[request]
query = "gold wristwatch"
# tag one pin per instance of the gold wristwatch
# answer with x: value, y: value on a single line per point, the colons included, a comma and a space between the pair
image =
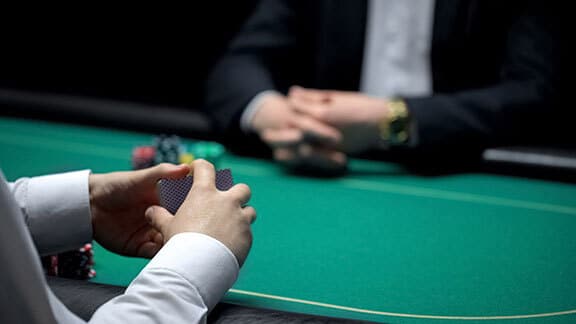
x: 395, y: 128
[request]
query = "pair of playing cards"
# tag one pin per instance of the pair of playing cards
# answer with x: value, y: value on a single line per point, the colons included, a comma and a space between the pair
x: 173, y: 192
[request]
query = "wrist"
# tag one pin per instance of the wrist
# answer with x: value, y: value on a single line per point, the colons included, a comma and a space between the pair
x: 252, y: 108
x: 270, y: 111
x: 93, y: 194
x: 92, y: 185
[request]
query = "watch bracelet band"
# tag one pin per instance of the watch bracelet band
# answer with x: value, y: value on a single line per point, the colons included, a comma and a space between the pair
x: 395, y: 128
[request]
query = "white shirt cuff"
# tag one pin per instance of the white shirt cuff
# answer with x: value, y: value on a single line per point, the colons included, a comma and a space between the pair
x: 202, y: 260
x: 58, y: 211
x: 252, y: 108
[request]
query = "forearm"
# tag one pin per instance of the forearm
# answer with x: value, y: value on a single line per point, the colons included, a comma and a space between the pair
x: 252, y: 108
x: 181, y: 284
x: 229, y: 91
x: 254, y: 63
x: 518, y: 99
x: 478, y: 118
x: 484, y: 97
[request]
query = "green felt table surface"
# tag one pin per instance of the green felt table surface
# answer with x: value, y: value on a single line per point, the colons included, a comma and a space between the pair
x: 379, y: 244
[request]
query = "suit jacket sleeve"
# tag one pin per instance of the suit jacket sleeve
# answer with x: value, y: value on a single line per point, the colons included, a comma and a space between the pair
x: 252, y: 63
x: 524, y: 94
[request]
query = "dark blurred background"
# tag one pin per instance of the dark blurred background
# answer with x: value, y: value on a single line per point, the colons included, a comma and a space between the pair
x: 140, y: 67
x: 82, y: 63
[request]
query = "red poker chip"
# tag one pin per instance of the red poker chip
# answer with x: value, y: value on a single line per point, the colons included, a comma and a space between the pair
x: 144, y: 152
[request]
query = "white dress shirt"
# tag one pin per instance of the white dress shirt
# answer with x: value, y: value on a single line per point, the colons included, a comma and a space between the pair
x: 50, y: 214
x: 397, y: 48
x: 396, y: 53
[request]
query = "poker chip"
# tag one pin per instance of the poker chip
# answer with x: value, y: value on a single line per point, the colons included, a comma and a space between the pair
x: 210, y: 151
x: 186, y: 158
x: 143, y: 157
x: 167, y: 149
x: 74, y: 264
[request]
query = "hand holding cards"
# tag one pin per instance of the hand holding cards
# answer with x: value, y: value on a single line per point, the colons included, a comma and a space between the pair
x: 207, y: 204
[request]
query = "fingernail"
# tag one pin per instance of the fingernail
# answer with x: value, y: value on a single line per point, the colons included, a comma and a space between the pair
x: 149, y: 211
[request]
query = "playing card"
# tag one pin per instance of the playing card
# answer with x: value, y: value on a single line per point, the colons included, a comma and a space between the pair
x: 173, y: 192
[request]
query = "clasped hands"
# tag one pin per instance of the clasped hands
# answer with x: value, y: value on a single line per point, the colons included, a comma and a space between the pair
x: 317, y: 129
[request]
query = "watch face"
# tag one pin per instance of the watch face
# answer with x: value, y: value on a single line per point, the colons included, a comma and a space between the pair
x: 398, y: 131
x: 395, y: 130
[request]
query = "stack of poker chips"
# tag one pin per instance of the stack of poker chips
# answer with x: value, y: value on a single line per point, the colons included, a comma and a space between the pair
x: 170, y: 149
x: 75, y: 264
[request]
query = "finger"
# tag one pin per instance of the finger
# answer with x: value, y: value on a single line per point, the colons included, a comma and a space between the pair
x: 250, y: 213
x: 310, y: 95
x: 158, y: 238
x: 282, y: 137
x: 204, y: 174
x: 316, y: 110
x: 166, y: 171
x: 322, y: 158
x: 241, y: 193
x: 149, y: 249
x: 159, y: 218
x: 317, y: 129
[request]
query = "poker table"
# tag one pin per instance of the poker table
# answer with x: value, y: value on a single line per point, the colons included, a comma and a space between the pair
x: 379, y: 244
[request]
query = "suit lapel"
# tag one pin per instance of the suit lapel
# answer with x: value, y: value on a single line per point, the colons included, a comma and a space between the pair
x: 341, y: 34
x: 449, y: 28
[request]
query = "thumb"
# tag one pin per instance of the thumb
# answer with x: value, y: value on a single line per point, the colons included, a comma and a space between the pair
x: 159, y: 218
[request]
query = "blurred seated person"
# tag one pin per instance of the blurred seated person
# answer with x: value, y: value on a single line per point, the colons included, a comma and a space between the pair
x: 416, y: 76
x: 195, y: 253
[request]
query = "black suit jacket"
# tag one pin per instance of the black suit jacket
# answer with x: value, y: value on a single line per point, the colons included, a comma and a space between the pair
x: 494, y: 65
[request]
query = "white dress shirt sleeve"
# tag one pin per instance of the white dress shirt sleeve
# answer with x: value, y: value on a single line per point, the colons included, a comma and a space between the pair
x: 181, y: 284
x: 56, y: 209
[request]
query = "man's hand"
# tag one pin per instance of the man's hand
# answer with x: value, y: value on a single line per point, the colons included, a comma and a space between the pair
x: 297, y: 140
x: 356, y: 115
x: 118, y: 201
x: 222, y: 215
